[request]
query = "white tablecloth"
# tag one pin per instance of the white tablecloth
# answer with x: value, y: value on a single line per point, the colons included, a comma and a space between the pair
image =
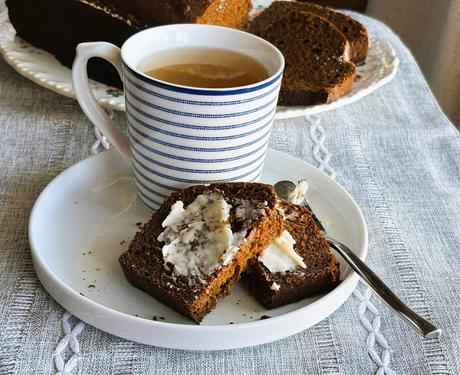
x: 394, y: 151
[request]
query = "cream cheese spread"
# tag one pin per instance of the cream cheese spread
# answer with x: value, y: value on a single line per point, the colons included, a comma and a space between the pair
x: 198, y: 238
x: 280, y: 255
x: 298, y: 195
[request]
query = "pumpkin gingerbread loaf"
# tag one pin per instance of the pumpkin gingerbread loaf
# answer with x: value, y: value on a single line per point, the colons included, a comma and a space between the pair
x: 59, y: 26
x: 230, y: 13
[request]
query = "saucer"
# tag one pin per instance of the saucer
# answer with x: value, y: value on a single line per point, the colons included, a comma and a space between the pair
x: 86, y: 217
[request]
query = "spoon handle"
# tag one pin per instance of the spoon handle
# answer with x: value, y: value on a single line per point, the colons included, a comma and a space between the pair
x: 427, y: 329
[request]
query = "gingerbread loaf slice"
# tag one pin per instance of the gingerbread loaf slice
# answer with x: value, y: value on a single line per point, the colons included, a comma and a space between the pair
x: 317, y: 68
x: 355, y: 32
x: 297, y: 265
x: 194, y: 248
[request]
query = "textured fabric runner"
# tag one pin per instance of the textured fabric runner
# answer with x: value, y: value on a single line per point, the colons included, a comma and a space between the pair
x: 394, y: 151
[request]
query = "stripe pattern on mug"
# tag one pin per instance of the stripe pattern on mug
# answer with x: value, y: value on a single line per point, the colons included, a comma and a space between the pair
x: 182, y: 136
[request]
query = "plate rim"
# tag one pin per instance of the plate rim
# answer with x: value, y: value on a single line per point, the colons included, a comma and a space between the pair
x: 42, y: 269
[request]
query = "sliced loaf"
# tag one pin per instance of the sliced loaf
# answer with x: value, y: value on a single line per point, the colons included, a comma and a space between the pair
x: 355, y: 32
x: 317, y: 54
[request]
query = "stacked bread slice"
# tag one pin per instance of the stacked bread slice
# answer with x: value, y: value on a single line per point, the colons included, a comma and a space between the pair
x: 198, y: 244
x: 320, y: 47
x: 194, y: 248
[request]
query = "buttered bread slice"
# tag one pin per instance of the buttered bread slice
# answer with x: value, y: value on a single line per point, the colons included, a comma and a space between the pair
x: 194, y: 248
x: 298, y: 264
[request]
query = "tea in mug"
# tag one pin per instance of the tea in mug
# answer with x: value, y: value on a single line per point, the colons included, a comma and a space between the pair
x: 204, y: 67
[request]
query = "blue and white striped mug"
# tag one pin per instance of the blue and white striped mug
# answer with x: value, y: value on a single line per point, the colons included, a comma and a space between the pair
x: 181, y: 135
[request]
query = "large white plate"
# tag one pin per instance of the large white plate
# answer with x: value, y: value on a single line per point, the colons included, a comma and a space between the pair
x: 43, y: 68
x: 86, y: 217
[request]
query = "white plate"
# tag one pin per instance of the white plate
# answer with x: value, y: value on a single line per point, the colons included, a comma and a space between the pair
x: 86, y: 217
x: 43, y: 68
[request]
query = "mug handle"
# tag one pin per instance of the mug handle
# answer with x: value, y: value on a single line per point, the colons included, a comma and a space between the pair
x: 85, y: 95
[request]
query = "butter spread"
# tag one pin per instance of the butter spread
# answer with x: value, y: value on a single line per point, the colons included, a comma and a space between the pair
x: 280, y: 255
x: 247, y: 211
x: 291, y: 215
x: 298, y: 195
x: 198, y: 238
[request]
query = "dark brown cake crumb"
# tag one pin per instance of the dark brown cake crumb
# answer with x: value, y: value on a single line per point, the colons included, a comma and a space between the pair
x: 122, y: 242
x: 138, y: 224
x: 91, y: 286
x: 263, y: 317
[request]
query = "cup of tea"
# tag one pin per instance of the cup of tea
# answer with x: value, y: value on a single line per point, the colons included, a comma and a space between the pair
x: 200, y: 102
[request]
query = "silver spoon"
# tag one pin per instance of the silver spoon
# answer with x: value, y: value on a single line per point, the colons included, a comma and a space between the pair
x: 287, y: 190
